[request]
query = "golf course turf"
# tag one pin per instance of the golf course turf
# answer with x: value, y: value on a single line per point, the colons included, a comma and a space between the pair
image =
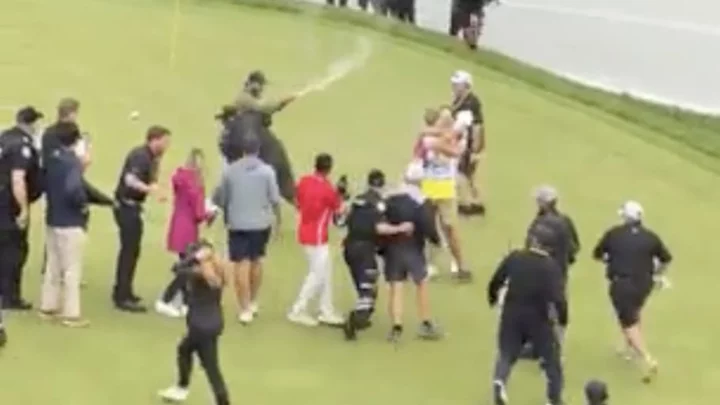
x: 115, y: 56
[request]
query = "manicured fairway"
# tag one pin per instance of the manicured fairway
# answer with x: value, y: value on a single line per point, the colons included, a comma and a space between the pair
x: 114, y: 56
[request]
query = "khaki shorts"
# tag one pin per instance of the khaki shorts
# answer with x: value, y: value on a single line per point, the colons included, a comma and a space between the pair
x: 447, y: 211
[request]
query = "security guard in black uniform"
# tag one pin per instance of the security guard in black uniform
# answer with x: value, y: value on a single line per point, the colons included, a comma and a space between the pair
x: 535, y: 290
x: 365, y: 225
x: 137, y: 179
x: 565, y: 243
x: 20, y: 186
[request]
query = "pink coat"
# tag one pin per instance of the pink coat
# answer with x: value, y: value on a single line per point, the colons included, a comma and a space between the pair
x: 188, y: 209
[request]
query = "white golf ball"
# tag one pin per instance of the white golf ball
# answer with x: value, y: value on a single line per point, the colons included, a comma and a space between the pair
x: 134, y: 115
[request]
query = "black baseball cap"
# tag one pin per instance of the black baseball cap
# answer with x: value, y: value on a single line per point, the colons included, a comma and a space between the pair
x: 257, y: 76
x: 28, y: 115
x: 228, y: 111
x: 596, y: 392
x: 376, y: 178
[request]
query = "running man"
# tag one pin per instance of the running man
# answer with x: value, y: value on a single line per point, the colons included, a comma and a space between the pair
x: 635, y: 259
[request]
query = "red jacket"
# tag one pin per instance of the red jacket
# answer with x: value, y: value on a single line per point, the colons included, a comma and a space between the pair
x: 317, y: 202
x: 188, y: 209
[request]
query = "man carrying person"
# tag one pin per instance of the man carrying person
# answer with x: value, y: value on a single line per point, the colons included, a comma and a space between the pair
x: 138, y: 179
x: 636, y: 259
x: 404, y: 254
x: 440, y: 148
x: 318, y: 203
x: 21, y: 185
x: 466, y: 102
x: 256, y: 114
x: 365, y: 226
x: 249, y: 198
x: 534, y: 291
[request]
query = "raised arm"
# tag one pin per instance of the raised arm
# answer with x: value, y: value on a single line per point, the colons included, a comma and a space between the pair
x: 498, y: 280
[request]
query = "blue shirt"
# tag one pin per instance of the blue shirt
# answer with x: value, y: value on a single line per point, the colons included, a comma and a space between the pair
x: 67, y: 200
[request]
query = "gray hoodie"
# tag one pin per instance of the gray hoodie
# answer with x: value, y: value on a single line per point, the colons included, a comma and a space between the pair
x: 247, y: 194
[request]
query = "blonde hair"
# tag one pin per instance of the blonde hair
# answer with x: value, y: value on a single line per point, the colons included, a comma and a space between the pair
x: 195, y: 160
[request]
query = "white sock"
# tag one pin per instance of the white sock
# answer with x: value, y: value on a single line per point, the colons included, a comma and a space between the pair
x: 454, y: 268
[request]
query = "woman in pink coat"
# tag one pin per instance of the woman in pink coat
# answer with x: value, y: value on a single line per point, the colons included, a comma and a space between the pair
x: 189, y: 212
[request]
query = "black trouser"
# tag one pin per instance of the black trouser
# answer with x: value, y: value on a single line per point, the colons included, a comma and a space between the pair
x: 130, y: 225
x: 403, y: 10
x: 13, y: 255
x: 273, y: 152
x: 521, y: 325
x: 361, y: 259
x: 178, y: 285
x: 529, y: 352
x: 460, y: 18
x: 205, y: 345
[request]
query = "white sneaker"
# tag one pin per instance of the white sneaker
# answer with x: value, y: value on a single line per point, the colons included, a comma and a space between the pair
x: 174, y: 394
x: 302, y: 318
x: 432, y: 271
x: 331, y: 319
x: 166, y: 309
x: 254, y: 308
x: 246, y: 317
x: 454, y: 268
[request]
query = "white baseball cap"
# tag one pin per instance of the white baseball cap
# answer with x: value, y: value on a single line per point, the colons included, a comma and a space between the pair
x: 631, y: 211
x: 461, y: 77
x: 545, y: 194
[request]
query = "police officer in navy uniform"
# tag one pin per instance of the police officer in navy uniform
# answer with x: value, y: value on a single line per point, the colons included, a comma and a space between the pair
x: 534, y: 291
x: 365, y: 225
x: 137, y: 180
x: 20, y: 186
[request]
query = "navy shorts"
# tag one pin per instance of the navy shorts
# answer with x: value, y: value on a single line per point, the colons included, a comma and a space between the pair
x: 402, y: 263
x: 247, y: 245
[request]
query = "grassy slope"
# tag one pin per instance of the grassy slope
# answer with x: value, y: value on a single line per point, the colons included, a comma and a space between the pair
x: 117, y: 64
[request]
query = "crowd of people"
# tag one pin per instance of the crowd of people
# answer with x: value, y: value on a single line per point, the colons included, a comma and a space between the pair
x: 394, y: 230
x: 467, y: 17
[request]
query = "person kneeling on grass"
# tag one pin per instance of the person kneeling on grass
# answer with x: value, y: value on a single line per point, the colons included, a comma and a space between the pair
x: 205, y: 275
x: 190, y: 209
x: 405, y: 254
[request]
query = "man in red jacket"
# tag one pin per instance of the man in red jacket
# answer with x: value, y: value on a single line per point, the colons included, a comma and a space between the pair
x: 318, y: 202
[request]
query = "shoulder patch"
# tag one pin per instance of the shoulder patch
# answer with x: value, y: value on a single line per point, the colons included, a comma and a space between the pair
x: 381, y: 206
x: 26, y: 152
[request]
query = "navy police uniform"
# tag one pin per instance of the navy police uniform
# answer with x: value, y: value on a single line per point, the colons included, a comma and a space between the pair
x: 360, y: 249
x: 534, y: 292
x: 17, y: 152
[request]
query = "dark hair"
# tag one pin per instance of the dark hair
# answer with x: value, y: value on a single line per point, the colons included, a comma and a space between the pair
x: 156, y: 132
x: 68, y: 133
x: 67, y: 106
x: 376, y: 178
x: 251, y: 145
x: 323, y: 163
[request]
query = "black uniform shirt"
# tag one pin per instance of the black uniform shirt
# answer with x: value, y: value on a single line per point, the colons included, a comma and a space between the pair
x: 366, y: 211
x: 566, y: 242
x: 471, y: 103
x: 143, y: 164
x: 630, y: 251
x: 50, y: 141
x: 17, y: 152
x: 534, y: 285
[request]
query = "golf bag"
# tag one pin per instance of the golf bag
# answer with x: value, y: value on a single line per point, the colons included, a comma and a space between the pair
x: 272, y: 149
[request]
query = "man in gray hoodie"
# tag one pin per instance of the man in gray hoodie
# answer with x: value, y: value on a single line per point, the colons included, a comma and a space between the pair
x: 249, y: 197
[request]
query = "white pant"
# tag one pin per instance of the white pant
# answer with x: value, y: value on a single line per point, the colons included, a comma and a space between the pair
x: 318, y: 281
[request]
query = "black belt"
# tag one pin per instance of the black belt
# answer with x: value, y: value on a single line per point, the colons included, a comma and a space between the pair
x: 128, y: 203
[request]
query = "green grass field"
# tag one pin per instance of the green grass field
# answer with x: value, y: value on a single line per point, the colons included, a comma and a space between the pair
x: 114, y: 57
